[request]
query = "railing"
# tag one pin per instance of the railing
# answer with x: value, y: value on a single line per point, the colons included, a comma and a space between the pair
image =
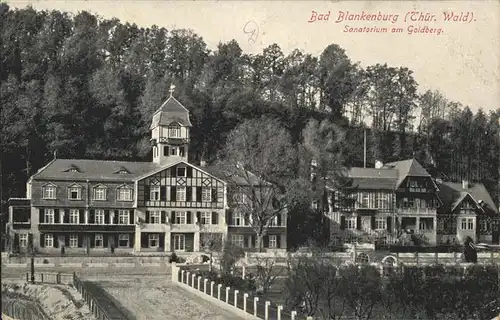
x: 100, y: 303
x: 57, y: 278
x: 416, y: 211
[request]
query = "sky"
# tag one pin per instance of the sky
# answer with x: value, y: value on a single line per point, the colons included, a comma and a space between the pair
x: 459, y: 57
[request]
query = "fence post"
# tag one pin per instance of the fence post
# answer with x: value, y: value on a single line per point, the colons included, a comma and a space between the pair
x: 218, y: 290
x: 27, y: 277
x: 236, y: 297
x: 41, y: 277
x: 193, y: 277
x: 266, y: 310
x: 416, y: 258
x: 58, y: 278
x: 187, y: 277
x: 245, y: 297
x: 279, y: 312
x: 243, y: 272
x: 293, y: 314
x: 437, y: 257
x: 182, y: 275
x: 227, y: 294
x: 212, y: 283
x: 199, y: 282
x: 205, y: 285
x: 255, y: 300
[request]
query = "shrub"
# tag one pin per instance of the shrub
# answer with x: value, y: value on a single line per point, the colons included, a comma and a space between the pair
x: 173, y: 258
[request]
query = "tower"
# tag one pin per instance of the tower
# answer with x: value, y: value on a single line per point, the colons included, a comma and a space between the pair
x: 170, y: 132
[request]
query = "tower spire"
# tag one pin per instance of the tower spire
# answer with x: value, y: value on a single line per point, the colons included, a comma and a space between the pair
x: 172, y: 87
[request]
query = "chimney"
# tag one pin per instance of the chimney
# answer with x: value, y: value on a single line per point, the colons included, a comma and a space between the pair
x: 379, y: 164
x: 465, y: 184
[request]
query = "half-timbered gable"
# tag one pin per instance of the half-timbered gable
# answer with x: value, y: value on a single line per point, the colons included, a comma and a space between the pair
x: 181, y: 185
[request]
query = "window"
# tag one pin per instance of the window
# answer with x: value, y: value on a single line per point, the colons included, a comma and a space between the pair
x: 422, y: 225
x: 23, y: 240
x: 206, y: 195
x: 154, y: 217
x: 483, y: 225
x: 49, y: 192
x: 123, y: 217
x: 273, y: 241
x: 74, y: 216
x: 74, y: 193
x: 49, y: 240
x: 237, y: 239
x: 180, y: 217
x: 123, y: 240
x: 383, y: 201
x: 100, y: 193
x: 173, y: 151
x: 49, y: 215
x: 73, y: 240
x: 181, y: 194
x: 237, y: 219
x: 467, y: 224
x: 365, y: 200
x: 174, y: 132
x: 314, y: 205
x: 154, y: 240
x: 124, y: 194
x: 99, y: 216
x: 99, y: 243
x: 181, y: 172
x: 154, y: 193
x: 179, y: 242
x: 380, y: 224
x: 350, y: 223
x: 206, y: 218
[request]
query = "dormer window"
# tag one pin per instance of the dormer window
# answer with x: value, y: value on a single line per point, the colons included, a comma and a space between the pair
x: 122, y: 170
x: 49, y: 191
x: 75, y: 192
x: 174, y: 131
x: 100, y: 193
x: 124, y: 193
x: 72, y: 168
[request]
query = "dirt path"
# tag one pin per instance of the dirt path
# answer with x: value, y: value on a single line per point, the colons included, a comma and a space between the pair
x: 157, y: 298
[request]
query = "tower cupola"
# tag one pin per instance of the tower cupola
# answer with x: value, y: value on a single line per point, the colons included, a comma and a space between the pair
x: 170, y: 131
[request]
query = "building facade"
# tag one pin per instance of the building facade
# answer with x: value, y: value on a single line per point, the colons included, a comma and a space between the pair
x: 401, y: 200
x: 165, y: 205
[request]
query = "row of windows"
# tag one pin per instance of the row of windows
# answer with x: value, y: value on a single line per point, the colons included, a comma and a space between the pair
x: 181, y: 217
x: 172, y: 151
x: 238, y: 219
x: 239, y: 240
x: 180, y: 194
x: 124, y: 193
x: 351, y: 223
x: 74, y: 216
x: 123, y: 240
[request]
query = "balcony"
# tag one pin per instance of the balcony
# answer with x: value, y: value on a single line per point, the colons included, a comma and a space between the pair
x: 416, y: 211
x: 21, y: 225
x: 173, y: 141
x: 184, y: 204
x: 61, y: 227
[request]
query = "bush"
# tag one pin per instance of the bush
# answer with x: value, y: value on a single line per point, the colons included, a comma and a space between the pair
x: 173, y: 258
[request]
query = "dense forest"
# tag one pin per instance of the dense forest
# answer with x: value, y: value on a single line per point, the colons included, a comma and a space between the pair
x: 85, y: 87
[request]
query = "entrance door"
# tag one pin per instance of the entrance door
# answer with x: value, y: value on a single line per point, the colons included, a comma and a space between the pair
x: 179, y: 242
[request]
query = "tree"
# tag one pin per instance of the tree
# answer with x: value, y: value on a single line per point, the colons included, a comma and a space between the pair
x: 257, y: 162
x: 212, y: 243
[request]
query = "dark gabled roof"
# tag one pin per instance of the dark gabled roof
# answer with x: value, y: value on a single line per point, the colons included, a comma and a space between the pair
x: 453, y: 194
x: 93, y: 170
x: 405, y: 168
x: 171, y: 111
x: 373, y: 179
x: 231, y: 175
x: 172, y: 164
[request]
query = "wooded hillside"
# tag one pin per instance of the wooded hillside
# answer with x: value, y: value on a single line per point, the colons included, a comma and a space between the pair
x: 86, y: 87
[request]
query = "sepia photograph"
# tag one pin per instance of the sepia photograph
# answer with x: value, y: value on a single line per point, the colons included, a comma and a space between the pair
x: 238, y: 159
